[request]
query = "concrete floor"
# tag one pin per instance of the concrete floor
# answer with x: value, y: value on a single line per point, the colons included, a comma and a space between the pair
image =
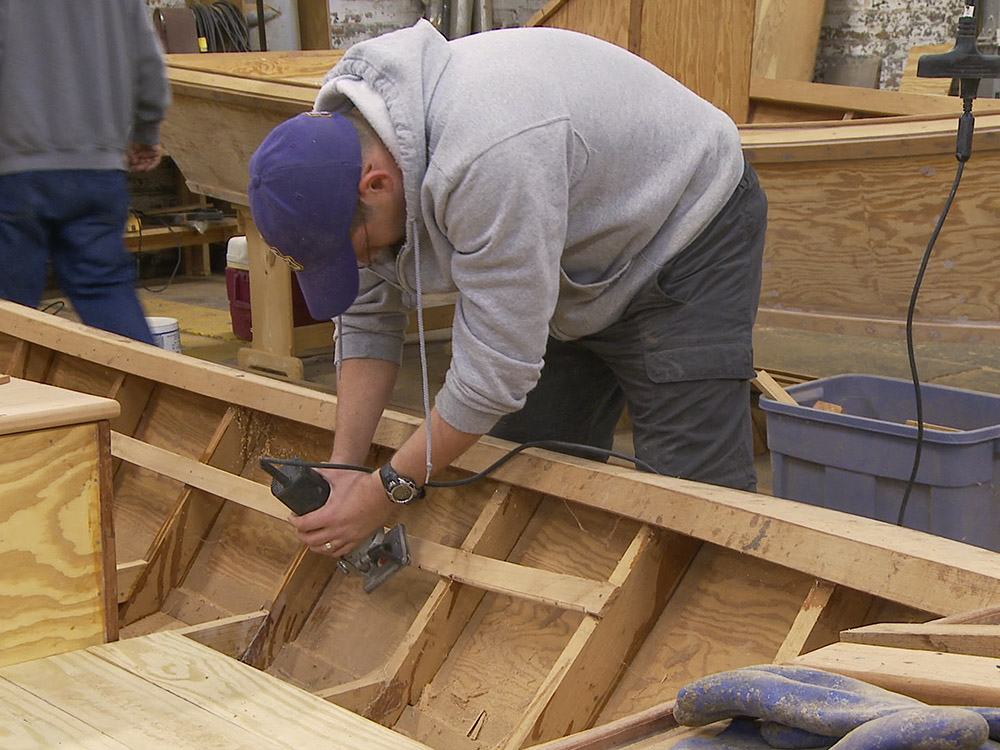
x: 201, y: 306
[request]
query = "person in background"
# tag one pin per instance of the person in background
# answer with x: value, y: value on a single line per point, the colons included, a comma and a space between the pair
x: 596, y: 220
x: 83, y: 89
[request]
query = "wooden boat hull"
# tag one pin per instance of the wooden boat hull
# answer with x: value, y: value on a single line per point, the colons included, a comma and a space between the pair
x: 852, y: 203
x: 852, y: 207
x: 557, y: 594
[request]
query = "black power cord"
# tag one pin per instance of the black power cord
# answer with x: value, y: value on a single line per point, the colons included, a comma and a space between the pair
x: 585, y: 451
x: 909, y: 342
x: 969, y: 66
x: 140, y: 217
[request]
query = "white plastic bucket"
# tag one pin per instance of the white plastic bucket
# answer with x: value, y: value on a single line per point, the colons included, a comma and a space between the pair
x: 166, y: 333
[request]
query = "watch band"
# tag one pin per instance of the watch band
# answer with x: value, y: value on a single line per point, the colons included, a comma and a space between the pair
x: 399, y: 490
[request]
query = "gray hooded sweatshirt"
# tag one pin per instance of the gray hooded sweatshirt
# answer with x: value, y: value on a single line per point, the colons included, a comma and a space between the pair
x: 548, y: 176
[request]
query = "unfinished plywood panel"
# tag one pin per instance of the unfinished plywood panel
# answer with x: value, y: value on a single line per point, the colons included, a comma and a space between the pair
x: 694, y: 628
x: 845, y: 237
x: 786, y: 37
x: 706, y: 46
x: 166, y: 691
x: 609, y: 20
x: 51, y: 552
x: 56, y: 560
x: 211, y: 136
x: 912, y: 83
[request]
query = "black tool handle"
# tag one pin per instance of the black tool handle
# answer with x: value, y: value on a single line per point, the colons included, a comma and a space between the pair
x: 301, y: 488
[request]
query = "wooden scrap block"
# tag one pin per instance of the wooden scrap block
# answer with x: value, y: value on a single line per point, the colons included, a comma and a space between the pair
x: 770, y: 388
x: 930, y: 426
x: 932, y: 677
x: 827, y: 406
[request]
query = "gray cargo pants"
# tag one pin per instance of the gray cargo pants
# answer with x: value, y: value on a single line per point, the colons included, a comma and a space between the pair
x: 680, y: 357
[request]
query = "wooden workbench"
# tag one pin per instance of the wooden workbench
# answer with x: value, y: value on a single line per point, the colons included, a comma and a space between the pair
x: 223, y: 106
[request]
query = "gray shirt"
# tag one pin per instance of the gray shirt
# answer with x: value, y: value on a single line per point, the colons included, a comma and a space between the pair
x: 548, y: 175
x: 79, y: 79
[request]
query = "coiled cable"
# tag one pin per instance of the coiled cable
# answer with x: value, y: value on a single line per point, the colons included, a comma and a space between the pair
x: 222, y: 25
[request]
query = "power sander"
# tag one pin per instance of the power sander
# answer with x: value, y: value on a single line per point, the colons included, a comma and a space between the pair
x: 303, y: 489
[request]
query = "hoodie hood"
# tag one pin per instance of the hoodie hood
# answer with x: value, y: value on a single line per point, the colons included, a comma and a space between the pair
x: 391, y: 79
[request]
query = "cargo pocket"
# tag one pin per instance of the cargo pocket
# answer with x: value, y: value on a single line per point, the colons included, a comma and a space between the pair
x: 721, y: 361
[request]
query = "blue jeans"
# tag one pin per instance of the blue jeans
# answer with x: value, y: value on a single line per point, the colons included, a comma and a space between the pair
x: 680, y: 357
x: 75, y: 219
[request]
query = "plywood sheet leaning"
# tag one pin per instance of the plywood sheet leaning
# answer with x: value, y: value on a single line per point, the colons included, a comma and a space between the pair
x: 707, y: 47
x: 913, y: 84
x: 786, y: 37
x: 610, y: 20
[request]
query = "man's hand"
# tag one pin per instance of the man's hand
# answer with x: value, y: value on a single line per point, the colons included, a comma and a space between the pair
x: 143, y: 157
x: 356, y: 507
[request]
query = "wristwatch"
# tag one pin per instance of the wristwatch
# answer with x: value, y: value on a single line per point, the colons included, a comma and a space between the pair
x: 399, y: 490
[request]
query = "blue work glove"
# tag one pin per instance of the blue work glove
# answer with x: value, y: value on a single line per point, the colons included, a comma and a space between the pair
x: 800, y: 707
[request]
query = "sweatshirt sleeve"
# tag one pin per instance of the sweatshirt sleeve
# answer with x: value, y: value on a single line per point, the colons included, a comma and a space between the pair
x: 373, y: 326
x: 150, y: 80
x: 505, y: 214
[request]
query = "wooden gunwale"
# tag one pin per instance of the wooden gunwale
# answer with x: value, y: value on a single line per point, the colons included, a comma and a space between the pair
x: 881, y: 137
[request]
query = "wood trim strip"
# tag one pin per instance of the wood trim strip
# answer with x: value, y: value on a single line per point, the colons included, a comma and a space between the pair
x: 933, y: 677
x: 616, y: 734
x: 805, y: 621
x: 502, y: 577
x: 555, y: 589
x: 975, y: 640
x: 109, y: 572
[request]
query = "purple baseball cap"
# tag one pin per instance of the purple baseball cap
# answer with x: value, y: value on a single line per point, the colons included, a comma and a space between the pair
x: 303, y: 196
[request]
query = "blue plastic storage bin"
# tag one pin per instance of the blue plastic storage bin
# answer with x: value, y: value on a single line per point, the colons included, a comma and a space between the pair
x: 859, y: 461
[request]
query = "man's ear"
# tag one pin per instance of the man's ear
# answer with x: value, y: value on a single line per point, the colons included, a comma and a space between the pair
x: 376, y: 182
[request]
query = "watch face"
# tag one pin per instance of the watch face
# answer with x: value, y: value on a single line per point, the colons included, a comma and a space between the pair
x: 402, y: 492
x: 399, y: 489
